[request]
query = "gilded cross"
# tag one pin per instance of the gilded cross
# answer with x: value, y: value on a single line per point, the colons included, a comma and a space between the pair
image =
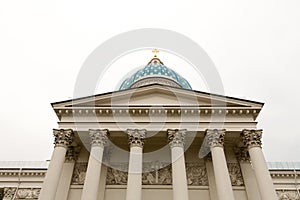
x: 155, y: 51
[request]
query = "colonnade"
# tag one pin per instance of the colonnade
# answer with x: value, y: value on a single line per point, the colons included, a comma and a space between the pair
x: 251, y: 139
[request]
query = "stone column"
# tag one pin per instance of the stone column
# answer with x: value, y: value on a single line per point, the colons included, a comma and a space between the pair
x: 103, y: 175
x: 62, y: 139
x: 211, y: 178
x: 252, y: 140
x: 67, y: 172
x: 179, y: 182
x: 134, y: 184
x: 92, y: 178
x: 248, y: 174
x: 215, y: 139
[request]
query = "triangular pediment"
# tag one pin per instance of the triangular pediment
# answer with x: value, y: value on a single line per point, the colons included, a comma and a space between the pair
x: 157, y: 95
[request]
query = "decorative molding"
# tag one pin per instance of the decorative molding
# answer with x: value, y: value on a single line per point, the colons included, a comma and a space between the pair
x: 21, y: 193
x: 79, y: 173
x: 98, y: 137
x: 235, y: 174
x: 176, y: 137
x: 215, y: 137
x: 151, y: 80
x: 284, y: 174
x: 251, y: 138
x: 63, y: 137
x: 140, y: 110
x: 136, y: 137
x: 4, y: 172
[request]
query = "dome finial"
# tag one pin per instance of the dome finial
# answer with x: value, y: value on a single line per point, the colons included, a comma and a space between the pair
x: 155, y: 51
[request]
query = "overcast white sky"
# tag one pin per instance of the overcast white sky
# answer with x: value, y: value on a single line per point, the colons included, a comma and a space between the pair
x: 255, y: 46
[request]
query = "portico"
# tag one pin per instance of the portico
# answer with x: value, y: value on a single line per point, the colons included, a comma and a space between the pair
x: 143, y: 142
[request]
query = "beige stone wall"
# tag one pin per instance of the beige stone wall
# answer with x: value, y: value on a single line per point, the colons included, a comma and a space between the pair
x: 30, y: 182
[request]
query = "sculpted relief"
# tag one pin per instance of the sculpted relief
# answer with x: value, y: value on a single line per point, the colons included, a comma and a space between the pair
x: 79, y: 173
x: 288, y: 195
x: 158, y: 177
x: 235, y: 174
x: 21, y: 193
x: 196, y: 174
x: 116, y: 177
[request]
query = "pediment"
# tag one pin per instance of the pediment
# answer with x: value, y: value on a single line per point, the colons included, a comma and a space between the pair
x: 157, y: 95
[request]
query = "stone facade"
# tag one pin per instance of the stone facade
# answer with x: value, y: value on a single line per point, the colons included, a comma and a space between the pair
x: 284, y: 180
x: 158, y: 140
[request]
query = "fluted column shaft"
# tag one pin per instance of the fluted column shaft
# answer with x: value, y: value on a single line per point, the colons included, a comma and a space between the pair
x: 252, y: 140
x: 215, y: 140
x: 179, y: 182
x: 62, y: 139
x: 134, y: 184
x: 92, y: 179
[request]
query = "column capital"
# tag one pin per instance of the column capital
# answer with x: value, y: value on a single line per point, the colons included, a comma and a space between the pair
x: 251, y: 138
x: 136, y: 137
x: 215, y: 137
x: 63, y: 137
x: 176, y: 137
x: 242, y: 154
x: 98, y: 137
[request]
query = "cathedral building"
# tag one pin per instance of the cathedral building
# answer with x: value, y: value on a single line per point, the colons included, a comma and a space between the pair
x: 154, y: 138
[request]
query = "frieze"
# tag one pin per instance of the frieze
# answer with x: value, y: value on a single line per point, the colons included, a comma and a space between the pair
x: 161, y: 176
x: 196, y: 174
x: 79, y: 173
x: 116, y: 177
x: 9, y: 193
x: 13, y: 193
x: 150, y: 178
x: 235, y: 174
x: 288, y: 195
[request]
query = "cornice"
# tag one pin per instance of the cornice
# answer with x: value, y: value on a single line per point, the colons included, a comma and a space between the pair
x: 146, y: 110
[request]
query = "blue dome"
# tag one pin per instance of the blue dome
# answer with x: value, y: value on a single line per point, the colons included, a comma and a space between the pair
x: 155, y: 72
